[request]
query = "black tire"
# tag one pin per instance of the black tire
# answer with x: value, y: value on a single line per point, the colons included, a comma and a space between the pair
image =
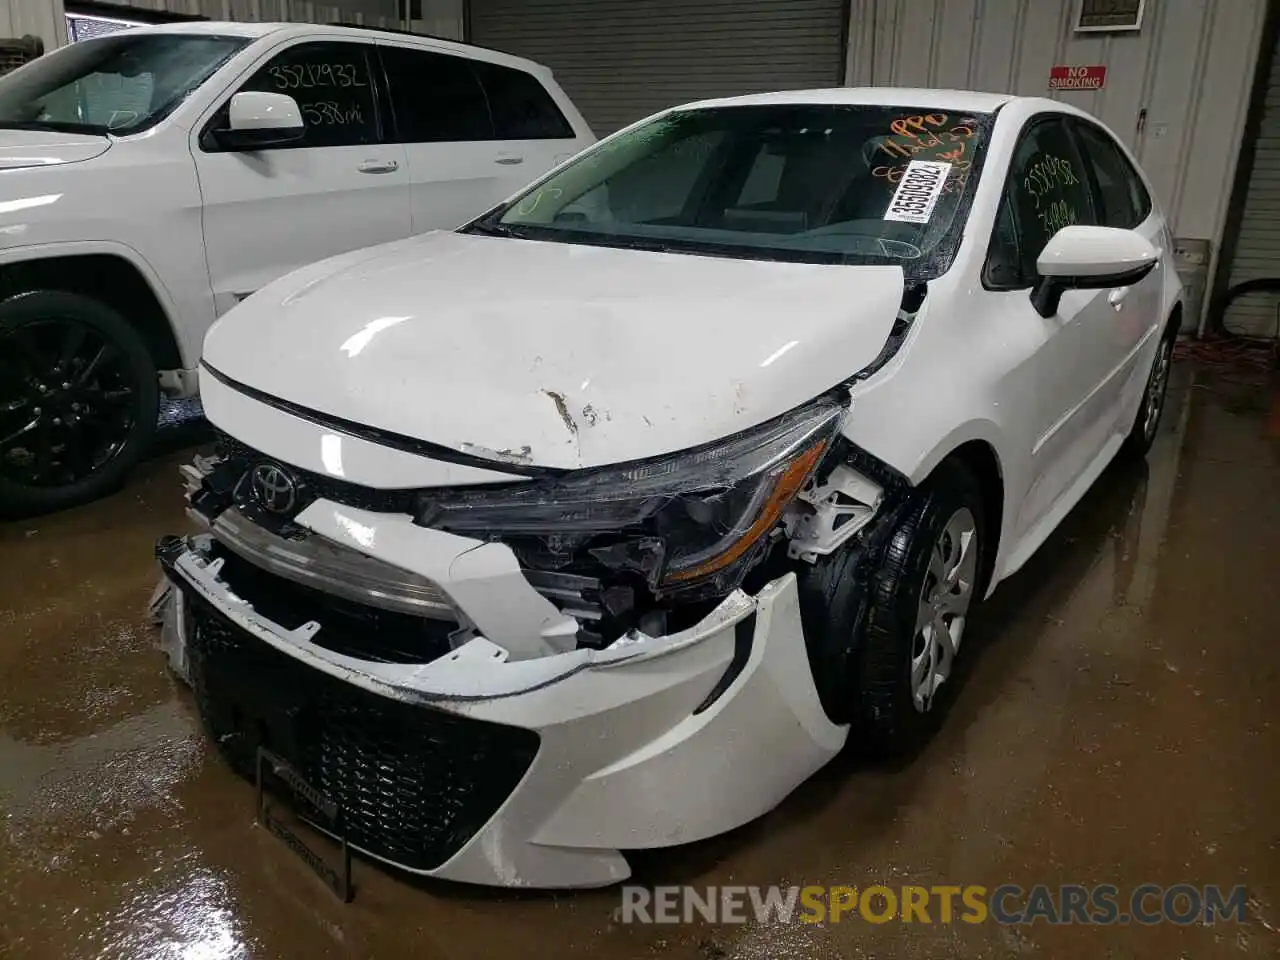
x: 1145, y: 424
x: 79, y: 386
x: 862, y: 629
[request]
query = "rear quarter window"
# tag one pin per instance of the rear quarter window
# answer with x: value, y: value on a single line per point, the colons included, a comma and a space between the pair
x: 522, y: 108
x: 1122, y: 198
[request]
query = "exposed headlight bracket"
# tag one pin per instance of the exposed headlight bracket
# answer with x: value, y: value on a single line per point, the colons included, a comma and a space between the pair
x: 827, y: 514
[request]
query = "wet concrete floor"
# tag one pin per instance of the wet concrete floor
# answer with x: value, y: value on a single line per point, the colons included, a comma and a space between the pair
x: 1121, y: 725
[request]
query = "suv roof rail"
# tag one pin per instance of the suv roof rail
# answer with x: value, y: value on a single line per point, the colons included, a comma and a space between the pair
x: 351, y: 25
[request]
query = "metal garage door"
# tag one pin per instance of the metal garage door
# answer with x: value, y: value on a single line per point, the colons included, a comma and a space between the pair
x: 623, y: 59
x: 1257, y: 251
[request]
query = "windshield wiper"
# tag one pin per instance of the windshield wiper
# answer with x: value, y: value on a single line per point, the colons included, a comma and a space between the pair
x: 493, y: 229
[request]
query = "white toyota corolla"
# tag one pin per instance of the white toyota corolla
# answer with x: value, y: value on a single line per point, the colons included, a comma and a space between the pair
x: 604, y: 521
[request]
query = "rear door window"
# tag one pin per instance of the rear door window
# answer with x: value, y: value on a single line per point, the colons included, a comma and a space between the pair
x: 522, y: 108
x: 1123, y: 200
x: 435, y: 97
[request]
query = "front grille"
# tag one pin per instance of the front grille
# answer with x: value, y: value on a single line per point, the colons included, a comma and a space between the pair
x: 414, y: 784
x: 319, y: 486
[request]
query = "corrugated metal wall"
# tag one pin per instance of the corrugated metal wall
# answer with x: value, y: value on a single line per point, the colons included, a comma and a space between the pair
x: 1257, y: 250
x: 621, y: 60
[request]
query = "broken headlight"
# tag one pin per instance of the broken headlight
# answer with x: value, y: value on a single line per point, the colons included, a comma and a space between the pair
x: 681, y: 519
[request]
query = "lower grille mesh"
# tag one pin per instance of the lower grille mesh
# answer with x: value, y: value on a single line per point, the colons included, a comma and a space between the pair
x: 414, y: 784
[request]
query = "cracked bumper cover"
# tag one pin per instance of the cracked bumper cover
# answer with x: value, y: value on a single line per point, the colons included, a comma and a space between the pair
x: 651, y: 742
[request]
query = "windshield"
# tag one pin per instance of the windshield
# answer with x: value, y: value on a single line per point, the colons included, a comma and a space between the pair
x: 117, y: 84
x: 815, y: 183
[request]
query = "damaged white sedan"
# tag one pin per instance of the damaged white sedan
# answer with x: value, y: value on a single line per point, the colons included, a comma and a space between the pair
x: 606, y: 520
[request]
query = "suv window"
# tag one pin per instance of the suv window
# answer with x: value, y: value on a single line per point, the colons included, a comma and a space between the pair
x: 435, y: 97
x: 1123, y: 200
x: 1047, y: 189
x: 521, y: 107
x: 333, y: 85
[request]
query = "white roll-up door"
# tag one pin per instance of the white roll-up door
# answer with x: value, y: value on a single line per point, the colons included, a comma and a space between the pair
x: 621, y: 60
x: 1257, y: 250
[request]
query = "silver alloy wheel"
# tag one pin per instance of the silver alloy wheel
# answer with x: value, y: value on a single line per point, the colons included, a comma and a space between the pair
x: 1153, y: 402
x: 945, y: 598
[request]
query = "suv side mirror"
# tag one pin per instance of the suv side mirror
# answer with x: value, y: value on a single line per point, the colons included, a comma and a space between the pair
x: 1090, y: 258
x: 256, y: 120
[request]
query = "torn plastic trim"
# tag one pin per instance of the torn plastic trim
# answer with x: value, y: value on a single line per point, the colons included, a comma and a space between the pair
x: 483, y: 580
x: 297, y: 555
x: 477, y: 671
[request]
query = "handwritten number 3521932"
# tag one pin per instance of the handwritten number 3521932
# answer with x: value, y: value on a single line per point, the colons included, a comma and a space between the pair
x: 294, y: 76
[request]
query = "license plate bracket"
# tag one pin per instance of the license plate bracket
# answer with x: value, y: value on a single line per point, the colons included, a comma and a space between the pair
x: 271, y: 771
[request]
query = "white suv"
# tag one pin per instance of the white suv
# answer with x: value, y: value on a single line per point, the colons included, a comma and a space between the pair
x: 152, y: 179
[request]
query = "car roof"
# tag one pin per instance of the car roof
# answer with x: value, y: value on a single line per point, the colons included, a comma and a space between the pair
x: 221, y: 28
x: 257, y: 30
x: 968, y: 101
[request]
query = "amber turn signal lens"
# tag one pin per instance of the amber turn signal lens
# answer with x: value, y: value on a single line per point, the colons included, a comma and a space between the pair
x: 788, y: 484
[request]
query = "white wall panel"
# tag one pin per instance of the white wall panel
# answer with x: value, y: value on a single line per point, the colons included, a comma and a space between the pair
x: 1190, y: 68
x: 42, y: 18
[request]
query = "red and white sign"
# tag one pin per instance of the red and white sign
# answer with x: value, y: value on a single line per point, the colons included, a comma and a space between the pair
x: 1077, y: 78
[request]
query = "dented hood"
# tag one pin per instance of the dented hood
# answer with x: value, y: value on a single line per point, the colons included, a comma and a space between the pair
x: 554, y: 354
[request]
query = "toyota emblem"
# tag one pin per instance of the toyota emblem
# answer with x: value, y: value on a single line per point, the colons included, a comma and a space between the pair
x: 274, y: 488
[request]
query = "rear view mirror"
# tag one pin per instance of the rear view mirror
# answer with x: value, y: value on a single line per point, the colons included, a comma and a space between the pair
x: 256, y: 120
x: 1090, y: 258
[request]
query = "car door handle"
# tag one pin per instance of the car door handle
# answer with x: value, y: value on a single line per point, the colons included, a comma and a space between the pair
x: 379, y: 166
x: 509, y: 159
x: 1116, y: 297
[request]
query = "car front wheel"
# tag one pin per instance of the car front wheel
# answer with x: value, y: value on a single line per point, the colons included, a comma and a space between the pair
x: 78, y: 400
x: 923, y: 593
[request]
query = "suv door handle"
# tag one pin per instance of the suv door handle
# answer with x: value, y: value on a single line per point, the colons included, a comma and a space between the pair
x: 379, y: 166
x: 508, y: 159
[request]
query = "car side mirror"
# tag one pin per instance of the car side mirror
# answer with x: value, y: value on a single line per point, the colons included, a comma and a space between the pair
x: 1089, y: 258
x: 256, y: 120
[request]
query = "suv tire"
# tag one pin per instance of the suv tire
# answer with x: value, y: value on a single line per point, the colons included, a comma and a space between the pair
x: 78, y: 400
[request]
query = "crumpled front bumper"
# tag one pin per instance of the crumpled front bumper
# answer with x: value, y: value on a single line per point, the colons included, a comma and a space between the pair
x: 650, y: 742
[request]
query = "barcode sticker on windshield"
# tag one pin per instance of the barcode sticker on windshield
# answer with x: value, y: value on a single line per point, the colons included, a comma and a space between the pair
x: 918, y: 191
